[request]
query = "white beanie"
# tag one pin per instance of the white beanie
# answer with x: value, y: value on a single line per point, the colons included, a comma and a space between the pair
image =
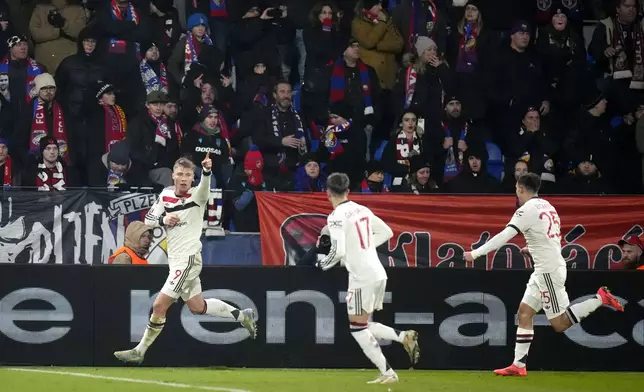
x: 43, y: 80
x: 423, y: 43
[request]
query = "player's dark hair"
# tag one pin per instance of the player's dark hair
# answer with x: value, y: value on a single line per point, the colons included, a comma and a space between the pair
x: 530, y: 181
x: 337, y: 184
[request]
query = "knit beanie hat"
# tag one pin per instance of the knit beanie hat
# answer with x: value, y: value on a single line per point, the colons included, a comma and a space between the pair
x: 195, y: 20
x: 423, y: 44
x: 119, y: 153
x: 253, y: 159
x: 206, y: 111
x: 418, y: 162
x: 47, y: 141
x: 44, y: 80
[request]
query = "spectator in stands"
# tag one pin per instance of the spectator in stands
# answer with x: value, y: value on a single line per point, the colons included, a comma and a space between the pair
x: 632, y: 249
x: 421, y: 18
x: 164, y: 19
x: 618, y: 49
x: 55, y: 28
x: 254, y: 91
x: 639, y: 140
x: 405, y: 143
x: 310, y: 176
x: 324, y: 43
x: 374, y: 179
x: 76, y: 76
x: 516, y: 81
x: 218, y: 19
x: 260, y: 31
x: 469, y: 50
x: 547, y: 10
x: 4, y: 88
x: 447, y: 141
x: 586, y: 178
x: 196, y: 100
x: 154, y: 75
x: 564, y: 59
x: 244, y: 185
x: 138, y: 238
x: 9, y: 172
x: 510, y: 181
x: 116, y: 167
x: 187, y: 51
x: 473, y: 177
x: 125, y: 26
x: 48, y: 172
x: 356, y: 83
x: 155, y: 147
x: 21, y: 71
x: 422, y: 82
x: 47, y: 119
x: 6, y: 28
x: 210, y: 135
x: 420, y: 179
x: 106, y: 126
x: 534, y: 143
x: 380, y: 43
x: 278, y: 131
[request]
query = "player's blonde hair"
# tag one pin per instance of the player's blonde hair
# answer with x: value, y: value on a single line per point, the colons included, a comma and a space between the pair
x: 184, y: 163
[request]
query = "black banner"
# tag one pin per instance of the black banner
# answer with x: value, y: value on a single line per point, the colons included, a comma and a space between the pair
x: 80, y: 227
x: 466, y: 319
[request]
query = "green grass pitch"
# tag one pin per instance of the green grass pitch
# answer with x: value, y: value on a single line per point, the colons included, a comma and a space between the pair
x: 290, y: 380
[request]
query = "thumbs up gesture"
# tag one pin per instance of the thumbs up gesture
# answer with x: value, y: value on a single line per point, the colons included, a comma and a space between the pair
x: 207, y: 162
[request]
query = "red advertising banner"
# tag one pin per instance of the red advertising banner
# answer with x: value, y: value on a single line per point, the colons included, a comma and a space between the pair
x: 434, y: 231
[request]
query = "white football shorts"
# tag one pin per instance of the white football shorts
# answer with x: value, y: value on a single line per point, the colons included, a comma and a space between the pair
x: 547, y: 291
x: 183, y: 279
x: 366, y: 299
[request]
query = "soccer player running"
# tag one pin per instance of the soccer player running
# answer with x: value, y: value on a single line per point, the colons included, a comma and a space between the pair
x: 537, y: 219
x: 355, y: 233
x: 180, y: 209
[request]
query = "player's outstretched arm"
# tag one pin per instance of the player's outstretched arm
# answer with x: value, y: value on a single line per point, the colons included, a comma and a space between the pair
x: 495, y: 243
x: 203, y: 189
x: 338, y: 244
x: 156, y: 214
x: 381, y: 231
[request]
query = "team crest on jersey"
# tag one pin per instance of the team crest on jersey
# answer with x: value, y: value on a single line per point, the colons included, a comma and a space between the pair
x: 518, y: 214
x: 544, y: 5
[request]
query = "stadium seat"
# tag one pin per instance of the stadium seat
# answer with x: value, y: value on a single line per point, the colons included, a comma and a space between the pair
x: 495, y: 165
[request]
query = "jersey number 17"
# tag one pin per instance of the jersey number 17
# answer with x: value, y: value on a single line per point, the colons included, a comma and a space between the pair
x: 362, y: 226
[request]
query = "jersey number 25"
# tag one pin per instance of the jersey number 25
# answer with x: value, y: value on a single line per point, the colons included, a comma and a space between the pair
x: 554, y: 224
x: 362, y: 226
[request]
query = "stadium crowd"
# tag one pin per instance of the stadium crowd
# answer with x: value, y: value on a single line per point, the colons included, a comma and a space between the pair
x: 418, y: 96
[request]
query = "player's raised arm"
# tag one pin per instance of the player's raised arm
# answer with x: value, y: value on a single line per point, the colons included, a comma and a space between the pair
x: 381, y: 231
x: 156, y: 214
x: 203, y: 189
x: 338, y: 243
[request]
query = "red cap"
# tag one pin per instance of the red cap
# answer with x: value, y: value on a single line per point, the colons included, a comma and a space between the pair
x: 632, y: 240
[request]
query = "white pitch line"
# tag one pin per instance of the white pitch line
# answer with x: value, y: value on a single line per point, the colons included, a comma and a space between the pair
x: 131, y: 380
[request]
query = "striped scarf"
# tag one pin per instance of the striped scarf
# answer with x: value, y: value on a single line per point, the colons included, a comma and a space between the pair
x: 404, y: 148
x: 417, y: 18
x: 331, y: 140
x: 299, y: 133
x: 190, y: 54
x: 119, y: 46
x: 8, y: 171
x: 338, y: 84
x: 33, y: 70
x: 39, y: 129
x: 218, y: 9
x: 411, y: 77
x: 151, y: 80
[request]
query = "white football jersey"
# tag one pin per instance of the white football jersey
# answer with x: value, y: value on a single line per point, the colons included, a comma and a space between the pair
x: 355, y: 233
x: 539, y: 222
x: 184, y: 239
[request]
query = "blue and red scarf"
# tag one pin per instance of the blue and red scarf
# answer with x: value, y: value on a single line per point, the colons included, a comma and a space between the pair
x: 33, y: 70
x: 364, y: 187
x: 417, y: 18
x: 299, y: 134
x: 120, y: 46
x: 331, y: 139
x: 152, y: 81
x: 453, y: 161
x: 218, y: 9
x: 338, y: 84
x: 190, y: 53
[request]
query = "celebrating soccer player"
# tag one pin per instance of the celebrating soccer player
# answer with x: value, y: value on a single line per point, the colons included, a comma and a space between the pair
x: 540, y: 224
x: 355, y: 233
x: 180, y: 209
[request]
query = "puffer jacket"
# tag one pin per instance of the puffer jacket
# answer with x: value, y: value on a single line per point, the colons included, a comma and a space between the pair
x: 380, y: 43
x: 76, y: 75
x: 54, y: 44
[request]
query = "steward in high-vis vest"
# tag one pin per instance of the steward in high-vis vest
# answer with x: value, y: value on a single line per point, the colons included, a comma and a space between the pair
x: 138, y: 238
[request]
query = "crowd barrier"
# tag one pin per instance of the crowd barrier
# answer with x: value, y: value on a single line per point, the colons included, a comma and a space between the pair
x: 78, y: 315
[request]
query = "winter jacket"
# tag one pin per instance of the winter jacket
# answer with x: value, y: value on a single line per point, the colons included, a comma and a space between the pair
x: 145, y: 152
x: 468, y: 182
x: 176, y: 63
x: 251, y: 37
x: 133, y: 234
x: 122, y: 30
x: 322, y: 49
x: 53, y: 44
x: 578, y: 184
x: 402, y: 19
x: 380, y: 43
x: 75, y: 77
x: 198, y: 142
